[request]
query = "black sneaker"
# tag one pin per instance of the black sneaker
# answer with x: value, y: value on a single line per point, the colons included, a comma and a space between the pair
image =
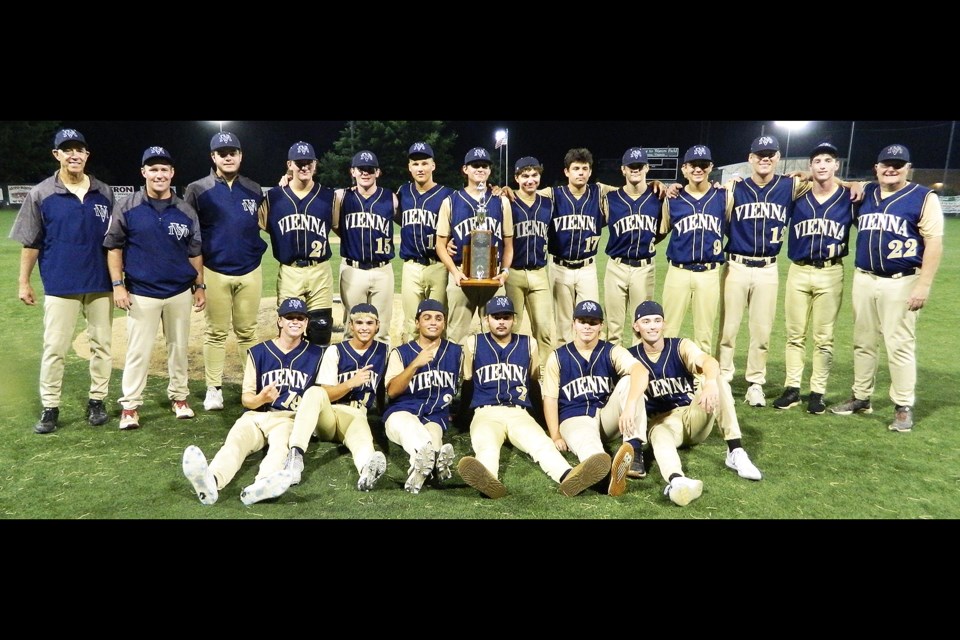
x: 48, y: 420
x: 789, y: 398
x: 96, y: 413
x: 815, y: 404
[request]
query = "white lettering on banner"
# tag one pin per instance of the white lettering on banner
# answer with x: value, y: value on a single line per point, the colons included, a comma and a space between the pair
x: 18, y: 192
x: 122, y: 193
x: 950, y: 205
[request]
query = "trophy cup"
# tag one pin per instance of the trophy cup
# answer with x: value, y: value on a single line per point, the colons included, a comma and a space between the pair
x: 480, y: 256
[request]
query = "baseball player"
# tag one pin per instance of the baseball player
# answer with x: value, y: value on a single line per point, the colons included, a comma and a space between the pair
x: 276, y: 375
x: 695, y: 220
x: 528, y: 286
x: 750, y: 277
x: 65, y: 215
x: 499, y: 370
x: 473, y: 207
x: 226, y: 204
x: 155, y: 261
x: 678, y: 415
x: 423, y: 275
x: 364, y: 221
x: 899, y: 247
x: 350, y: 380
x: 299, y: 217
x: 632, y: 215
x: 819, y: 237
x: 592, y: 392
x: 422, y: 377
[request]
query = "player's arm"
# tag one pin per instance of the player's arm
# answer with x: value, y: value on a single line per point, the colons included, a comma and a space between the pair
x: 551, y: 401
x: 337, y: 203
x: 249, y: 397
x: 709, y: 367
x: 262, y: 212
x: 664, y: 228
x: 444, y: 233
x: 199, y: 292
x: 931, y: 228
x: 359, y: 378
x: 626, y: 364
x: 28, y: 258
x: 399, y: 383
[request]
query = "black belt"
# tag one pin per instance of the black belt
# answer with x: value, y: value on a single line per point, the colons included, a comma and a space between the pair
x: 818, y: 264
x: 365, y: 265
x: 695, y: 266
x: 630, y: 262
x: 530, y: 268
x: 424, y: 261
x: 752, y: 262
x: 504, y: 404
x: 304, y: 263
x: 573, y: 264
x: 901, y: 274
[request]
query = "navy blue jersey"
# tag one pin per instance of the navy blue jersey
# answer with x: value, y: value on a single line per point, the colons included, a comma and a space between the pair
x: 68, y: 232
x: 888, y: 230
x: 463, y: 220
x: 633, y: 224
x: 419, y: 213
x: 366, y: 226
x: 349, y: 361
x: 671, y: 384
x: 232, y: 244
x: 759, y: 215
x: 300, y: 228
x: 820, y: 231
x: 501, y: 374
x: 576, y: 225
x: 292, y: 373
x: 697, y: 227
x: 432, y: 387
x: 530, y: 226
x: 585, y: 385
x: 157, y: 245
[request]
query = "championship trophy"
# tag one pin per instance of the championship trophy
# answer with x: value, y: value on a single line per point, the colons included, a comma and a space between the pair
x: 481, y: 262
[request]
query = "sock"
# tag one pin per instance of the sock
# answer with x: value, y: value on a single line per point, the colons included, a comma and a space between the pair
x: 733, y: 444
x: 674, y: 475
x: 298, y: 450
x: 637, y: 445
x: 565, y: 474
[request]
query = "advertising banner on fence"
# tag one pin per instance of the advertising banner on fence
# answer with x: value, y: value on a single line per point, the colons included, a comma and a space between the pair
x: 18, y: 193
x: 121, y: 193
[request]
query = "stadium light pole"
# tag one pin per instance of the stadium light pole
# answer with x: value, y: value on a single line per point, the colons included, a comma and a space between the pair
x: 846, y: 169
x: 946, y: 165
x: 219, y: 124
x: 790, y: 126
x: 501, y: 138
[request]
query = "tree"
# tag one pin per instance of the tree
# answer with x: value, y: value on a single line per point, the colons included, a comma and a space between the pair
x: 25, y: 148
x: 390, y: 140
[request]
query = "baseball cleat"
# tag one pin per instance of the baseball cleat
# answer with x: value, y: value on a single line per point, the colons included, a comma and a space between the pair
x: 195, y: 469
x: 214, y: 399
x: 48, y: 420
x: 852, y: 406
x: 755, y: 396
x: 790, y: 398
x: 815, y: 404
x: 129, y: 419
x: 445, y: 462
x: 479, y: 477
x: 638, y: 469
x: 622, y: 462
x: 182, y: 409
x: 294, y: 464
x: 372, y: 471
x: 682, y: 490
x: 903, y: 420
x: 421, y: 467
x: 585, y: 475
x: 272, y: 486
x: 739, y: 461
x: 96, y: 413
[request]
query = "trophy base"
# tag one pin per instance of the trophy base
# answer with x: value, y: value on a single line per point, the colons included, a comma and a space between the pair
x: 480, y: 283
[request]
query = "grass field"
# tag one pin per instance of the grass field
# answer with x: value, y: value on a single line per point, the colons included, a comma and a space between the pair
x: 815, y: 467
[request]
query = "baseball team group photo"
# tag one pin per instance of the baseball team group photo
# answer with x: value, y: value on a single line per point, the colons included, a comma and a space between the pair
x: 398, y: 320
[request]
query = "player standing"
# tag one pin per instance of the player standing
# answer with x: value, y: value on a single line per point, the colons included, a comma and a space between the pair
x: 226, y: 204
x: 899, y: 247
x: 61, y: 225
x: 423, y: 275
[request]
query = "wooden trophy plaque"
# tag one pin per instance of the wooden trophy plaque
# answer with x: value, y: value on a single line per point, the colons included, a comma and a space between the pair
x: 480, y: 260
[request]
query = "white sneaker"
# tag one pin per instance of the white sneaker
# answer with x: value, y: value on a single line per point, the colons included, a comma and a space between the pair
x: 682, y: 490
x: 445, y: 462
x: 294, y: 465
x: 182, y: 409
x: 214, y: 399
x: 198, y: 473
x: 421, y: 468
x: 272, y: 486
x: 755, y: 396
x: 372, y: 471
x: 739, y: 461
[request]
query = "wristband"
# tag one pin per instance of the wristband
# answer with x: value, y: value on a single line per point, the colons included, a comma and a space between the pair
x: 117, y: 283
x: 198, y: 286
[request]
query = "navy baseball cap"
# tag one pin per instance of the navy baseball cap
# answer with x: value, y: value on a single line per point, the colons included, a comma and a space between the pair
x: 697, y: 152
x: 894, y: 152
x: 156, y: 155
x: 648, y: 308
x: 430, y: 305
x: 68, y: 135
x: 500, y: 304
x: 477, y: 154
x: 301, y: 151
x: 420, y: 149
x: 365, y: 159
x: 224, y: 140
x: 588, y: 309
x: 634, y: 155
x: 291, y: 306
x: 524, y: 162
x: 765, y: 143
x: 365, y: 307
x: 824, y: 147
